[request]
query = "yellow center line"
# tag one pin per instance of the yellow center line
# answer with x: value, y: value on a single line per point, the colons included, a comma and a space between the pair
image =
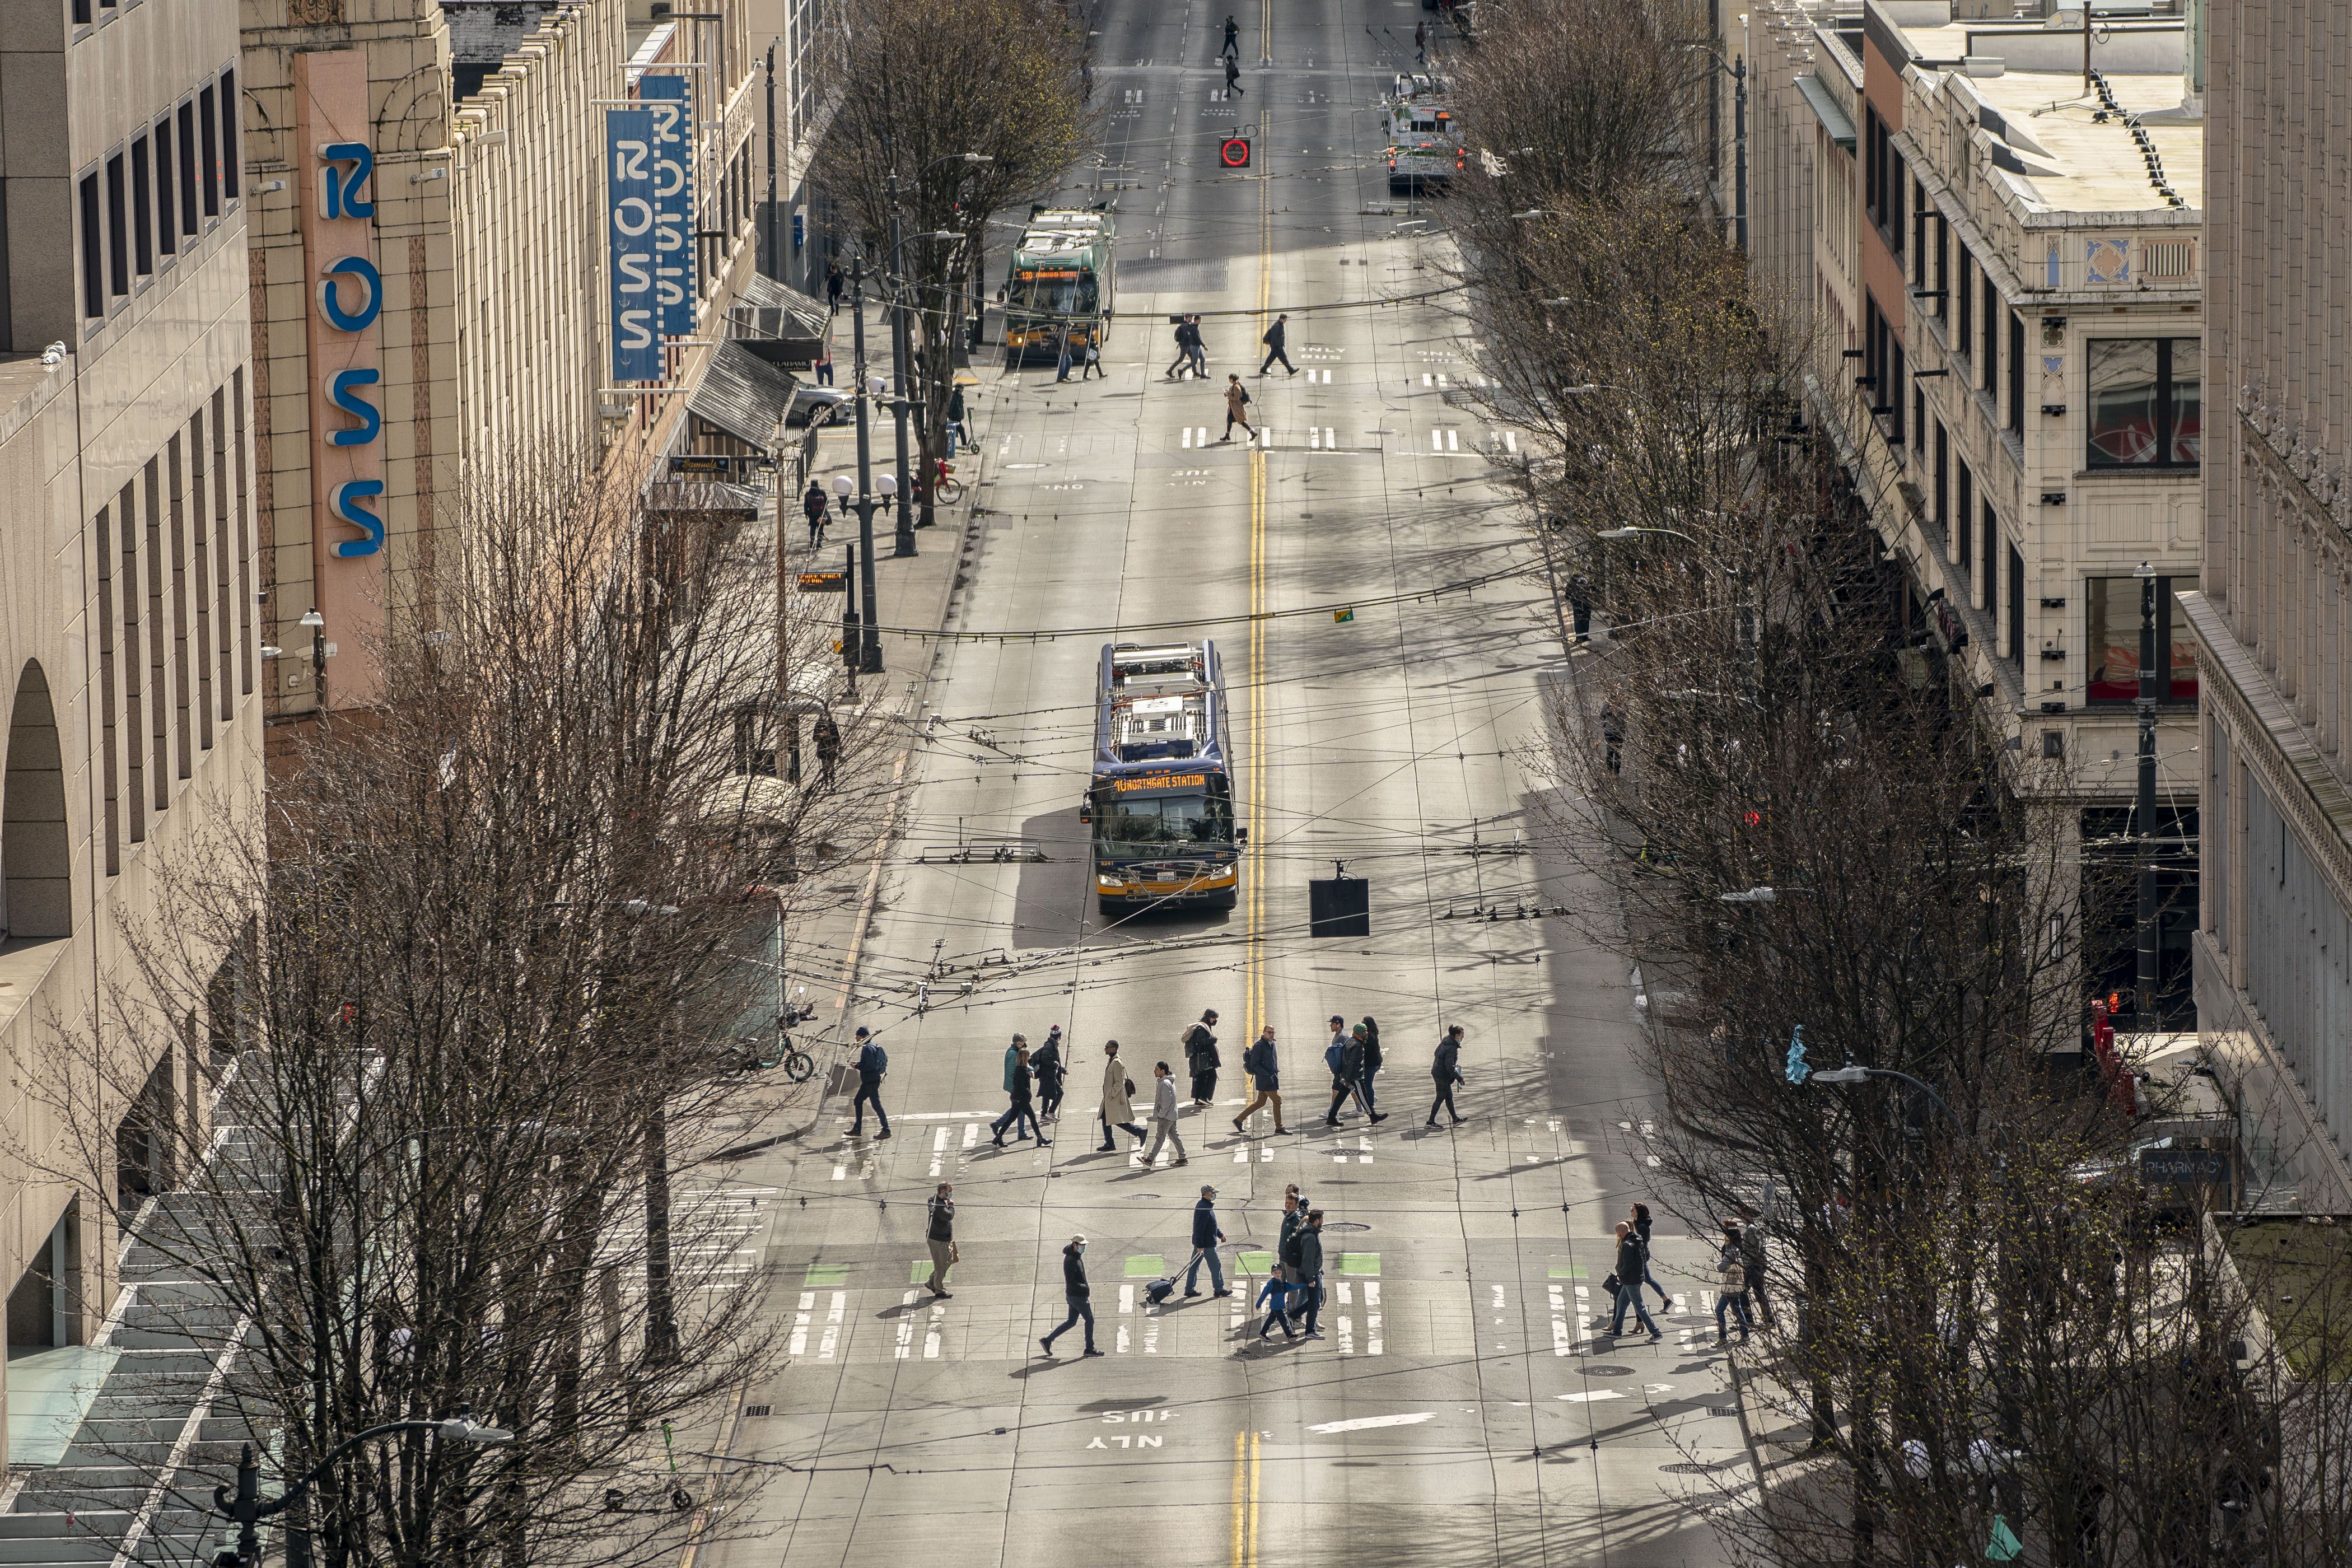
x: 1252, y: 1501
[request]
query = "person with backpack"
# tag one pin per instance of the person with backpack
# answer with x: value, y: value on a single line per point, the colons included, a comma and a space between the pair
x: 1200, y: 1059
x: 1117, y: 1100
x: 1237, y: 398
x: 1731, y: 1282
x: 1273, y: 349
x: 1092, y: 365
x: 1021, y: 1112
x: 1266, y: 1080
x: 1626, y: 1281
x: 1446, y: 1069
x: 1047, y: 1064
x: 1183, y: 350
x: 873, y: 1066
x: 815, y: 506
x: 939, y: 1232
x: 957, y: 435
x: 1345, y: 1056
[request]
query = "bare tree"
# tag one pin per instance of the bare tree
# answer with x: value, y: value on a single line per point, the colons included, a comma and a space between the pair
x: 494, y: 961
x: 929, y: 87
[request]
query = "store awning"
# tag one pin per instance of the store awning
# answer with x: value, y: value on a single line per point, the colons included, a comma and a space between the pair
x: 780, y: 325
x: 742, y: 395
x: 705, y: 495
x: 1831, y: 113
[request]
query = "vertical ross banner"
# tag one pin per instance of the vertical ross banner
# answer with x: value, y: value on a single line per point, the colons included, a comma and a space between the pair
x: 671, y: 100
x: 629, y: 227
x: 343, y: 301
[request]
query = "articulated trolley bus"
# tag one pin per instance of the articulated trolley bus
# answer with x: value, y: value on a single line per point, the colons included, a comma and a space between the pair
x: 1061, y: 276
x: 1162, y: 798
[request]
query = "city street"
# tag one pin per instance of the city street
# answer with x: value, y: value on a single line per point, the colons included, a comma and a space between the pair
x: 1460, y: 1405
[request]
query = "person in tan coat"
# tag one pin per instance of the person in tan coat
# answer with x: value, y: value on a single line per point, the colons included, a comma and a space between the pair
x: 1237, y: 399
x: 1117, y: 1100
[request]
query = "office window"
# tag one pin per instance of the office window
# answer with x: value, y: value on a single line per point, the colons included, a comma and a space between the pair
x: 2146, y: 403
x: 1943, y: 268
x: 186, y: 146
x: 1919, y: 235
x: 167, y: 215
x: 2111, y: 606
x: 1964, y: 514
x: 2017, y: 376
x: 1895, y: 368
x: 1920, y: 416
x: 142, y: 219
x: 1992, y: 313
x: 117, y: 228
x: 1966, y: 292
x: 81, y: 12
x: 232, y: 172
x: 1990, y: 558
x: 2016, y: 607
x: 1943, y: 469
x: 93, y: 249
x: 208, y: 126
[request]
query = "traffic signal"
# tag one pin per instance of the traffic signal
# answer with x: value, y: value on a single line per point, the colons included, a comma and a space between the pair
x: 1236, y: 153
x: 1798, y: 1069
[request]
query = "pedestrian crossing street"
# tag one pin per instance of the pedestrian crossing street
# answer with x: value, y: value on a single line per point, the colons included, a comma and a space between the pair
x: 1361, y: 1318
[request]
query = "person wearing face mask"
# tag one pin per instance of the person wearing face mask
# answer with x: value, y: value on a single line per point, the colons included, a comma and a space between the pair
x: 1076, y: 1292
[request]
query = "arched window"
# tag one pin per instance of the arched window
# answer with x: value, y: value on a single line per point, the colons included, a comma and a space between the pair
x: 35, y: 866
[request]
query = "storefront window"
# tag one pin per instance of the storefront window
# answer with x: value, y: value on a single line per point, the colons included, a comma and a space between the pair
x: 2114, y: 624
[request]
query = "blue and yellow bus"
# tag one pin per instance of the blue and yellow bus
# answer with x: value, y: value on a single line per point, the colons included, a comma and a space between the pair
x: 1162, y: 802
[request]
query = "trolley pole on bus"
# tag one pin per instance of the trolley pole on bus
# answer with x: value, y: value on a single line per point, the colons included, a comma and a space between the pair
x: 870, y: 632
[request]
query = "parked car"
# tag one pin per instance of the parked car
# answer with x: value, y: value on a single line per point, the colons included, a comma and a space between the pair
x: 808, y: 400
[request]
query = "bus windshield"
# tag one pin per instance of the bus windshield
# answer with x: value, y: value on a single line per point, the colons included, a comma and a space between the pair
x: 1057, y: 291
x: 1151, y: 825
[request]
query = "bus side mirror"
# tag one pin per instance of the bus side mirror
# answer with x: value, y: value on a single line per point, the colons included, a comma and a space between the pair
x: 1085, y: 811
x: 1241, y: 834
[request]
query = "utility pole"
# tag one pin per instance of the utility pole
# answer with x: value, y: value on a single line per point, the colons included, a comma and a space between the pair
x: 2145, y: 844
x: 1739, y: 149
x: 903, y: 544
x: 869, y: 650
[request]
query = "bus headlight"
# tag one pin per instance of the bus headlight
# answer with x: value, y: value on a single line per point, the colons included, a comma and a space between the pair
x: 1109, y: 883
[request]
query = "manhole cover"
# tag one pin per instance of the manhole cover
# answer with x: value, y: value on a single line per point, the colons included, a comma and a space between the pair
x: 1598, y: 1371
x: 1345, y: 1224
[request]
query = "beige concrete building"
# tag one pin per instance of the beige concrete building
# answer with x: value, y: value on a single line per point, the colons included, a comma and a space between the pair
x: 128, y: 577
x: 429, y: 280
x: 2000, y: 269
x: 2273, y: 617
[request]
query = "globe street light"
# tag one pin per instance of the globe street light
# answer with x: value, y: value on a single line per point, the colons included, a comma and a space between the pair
x: 247, y: 1508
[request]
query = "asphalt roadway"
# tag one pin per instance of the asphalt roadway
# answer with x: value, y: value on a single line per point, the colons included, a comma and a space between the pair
x: 1460, y: 1408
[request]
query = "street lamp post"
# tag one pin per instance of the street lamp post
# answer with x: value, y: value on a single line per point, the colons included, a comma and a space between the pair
x: 902, y: 541
x: 869, y: 649
x: 2144, y: 841
x: 247, y: 1508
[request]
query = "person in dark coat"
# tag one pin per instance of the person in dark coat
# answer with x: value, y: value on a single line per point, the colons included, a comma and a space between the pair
x: 873, y: 1064
x: 1046, y: 1062
x: 1273, y: 349
x: 1613, y: 736
x: 1445, y: 1067
x: 1200, y: 1058
x: 1205, y: 1238
x: 1265, y: 1079
x: 1347, y: 1072
x: 1752, y: 1247
x: 957, y: 435
x: 1232, y: 38
x: 1077, y: 1293
x: 832, y: 290
x: 1374, y: 1060
x: 1306, y: 1262
x: 1580, y: 606
x: 1183, y: 350
x: 1631, y: 1264
x: 1023, y: 1110
x: 1294, y: 1214
x: 828, y: 745
x: 1640, y: 1217
x: 815, y: 506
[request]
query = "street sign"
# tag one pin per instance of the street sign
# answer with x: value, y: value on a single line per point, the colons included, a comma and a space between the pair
x: 1338, y: 906
x: 824, y: 582
x: 1234, y: 153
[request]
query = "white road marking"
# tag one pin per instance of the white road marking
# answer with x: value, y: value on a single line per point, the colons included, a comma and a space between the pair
x: 971, y: 1135
x: 1188, y: 436
x: 1452, y: 444
x: 1595, y: 1397
x: 1373, y: 1423
x: 1371, y: 1317
x: 939, y: 1150
x: 832, y: 1340
x: 1347, y: 1336
x: 1241, y: 1156
x: 1127, y: 1298
x: 799, y: 1345
x: 841, y: 1172
x: 931, y: 1339
x: 906, y: 1328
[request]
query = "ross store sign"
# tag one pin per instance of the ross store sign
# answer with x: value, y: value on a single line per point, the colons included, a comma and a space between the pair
x: 671, y: 100
x: 629, y: 258
x: 338, y: 225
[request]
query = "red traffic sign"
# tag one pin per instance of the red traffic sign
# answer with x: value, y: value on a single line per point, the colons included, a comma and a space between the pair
x: 1234, y: 153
